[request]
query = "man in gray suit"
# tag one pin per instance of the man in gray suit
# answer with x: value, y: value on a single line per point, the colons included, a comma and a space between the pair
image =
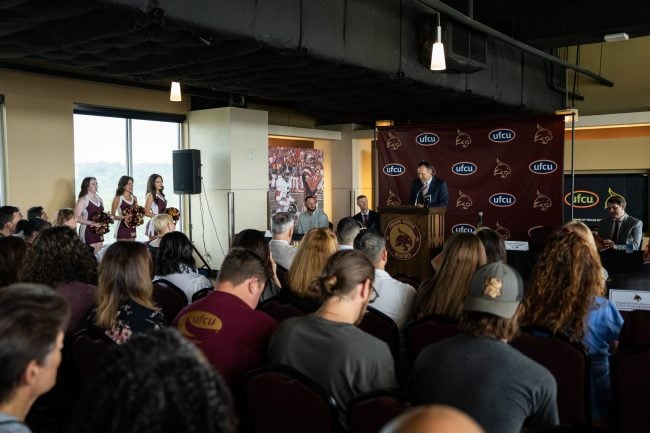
x: 615, y: 228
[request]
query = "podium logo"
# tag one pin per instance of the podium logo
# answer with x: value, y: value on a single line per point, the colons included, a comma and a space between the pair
x: 582, y: 199
x: 427, y: 139
x: 502, y: 199
x: 464, y: 168
x: 502, y: 135
x: 403, y: 239
x: 394, y: 169
x: 542, y: 166
x: 463, y: 228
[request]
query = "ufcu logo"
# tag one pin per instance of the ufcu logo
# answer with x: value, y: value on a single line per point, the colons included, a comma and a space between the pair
x: 502, y: 135
x: 394, y: 169
x: 582, y: 199
x: 502, y: 199
x: 427, y: 139
x: 542, y: 166
x: 463, y: 228
x: 464, y: 168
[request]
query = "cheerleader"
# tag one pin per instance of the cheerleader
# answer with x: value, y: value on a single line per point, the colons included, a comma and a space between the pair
x: 87, y: 205
x: 124, y: 198
x: 155, y: 202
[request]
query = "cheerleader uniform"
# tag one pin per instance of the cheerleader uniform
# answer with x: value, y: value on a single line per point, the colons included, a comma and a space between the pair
x: 88, y: 236
x: 158, y: 206
x: 124, y: 232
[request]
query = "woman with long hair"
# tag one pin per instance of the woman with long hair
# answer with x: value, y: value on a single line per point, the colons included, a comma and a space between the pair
x: 175, y: 263
x: 154, y: 202
x: 315, y: 248
x: 445, y: 293
x: 88, y: 204
x: 124, y: 293
x: 123, y: 199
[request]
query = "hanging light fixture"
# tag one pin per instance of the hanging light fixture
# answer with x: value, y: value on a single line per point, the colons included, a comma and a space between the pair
x: 175, y: 92
x: 570, y: 114
x: 438, y: 50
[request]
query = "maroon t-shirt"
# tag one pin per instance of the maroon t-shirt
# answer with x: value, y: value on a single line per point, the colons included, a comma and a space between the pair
x: 232, y: 336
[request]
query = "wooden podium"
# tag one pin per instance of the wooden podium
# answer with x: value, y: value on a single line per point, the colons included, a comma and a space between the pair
x: 412, y: 234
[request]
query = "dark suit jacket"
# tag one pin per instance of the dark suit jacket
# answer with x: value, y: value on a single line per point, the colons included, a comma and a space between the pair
x: 373, y: 220
x: 436, y: 196
x: 628, y: 225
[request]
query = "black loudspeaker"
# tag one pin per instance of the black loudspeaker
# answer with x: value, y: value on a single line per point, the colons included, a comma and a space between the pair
x: 187, y: 171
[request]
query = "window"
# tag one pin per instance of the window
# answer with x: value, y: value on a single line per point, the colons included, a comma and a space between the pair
x: 108, y: 146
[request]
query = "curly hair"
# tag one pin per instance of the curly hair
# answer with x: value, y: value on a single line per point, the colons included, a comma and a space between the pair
x: 12, y: 256
x: 563, y: 286
x: 314, y: 250
x: 444, y: 294
x: 58, y: 256
x: 155, y: 383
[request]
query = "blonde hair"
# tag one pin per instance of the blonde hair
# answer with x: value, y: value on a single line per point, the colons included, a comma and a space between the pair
x: 315, y: 248
x: 124, y: 274
x: 62, y: 216
x: 445, y: 293
x: 161, y: 221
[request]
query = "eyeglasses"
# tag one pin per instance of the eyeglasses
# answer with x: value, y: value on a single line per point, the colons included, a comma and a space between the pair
x: 374, y: 295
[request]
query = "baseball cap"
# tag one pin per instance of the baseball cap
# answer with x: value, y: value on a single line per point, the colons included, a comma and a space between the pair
x: 497, y: 289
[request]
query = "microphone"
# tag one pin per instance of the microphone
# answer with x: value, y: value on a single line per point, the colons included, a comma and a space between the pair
x: 480, y: 219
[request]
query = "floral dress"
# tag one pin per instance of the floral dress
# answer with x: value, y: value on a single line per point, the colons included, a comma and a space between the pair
x: 132, y: 318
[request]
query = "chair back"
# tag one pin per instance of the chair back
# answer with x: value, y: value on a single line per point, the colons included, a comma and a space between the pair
x: 280, y: 309
x: 201, y: 293
x: 369, y: 412
x: 630, y: 377
x: 281, y: 399
x: 636, y: 330
x: 282, y: 272
x: 428, y: 330
x: 89, y: 347
x: 568, y: 362
x: 169, y: 298
x: 379, y: 325
x: 408, y: 279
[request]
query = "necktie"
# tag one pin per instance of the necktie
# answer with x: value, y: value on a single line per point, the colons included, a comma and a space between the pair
x: 617, y: 226
x: 425, y: 189
x: 365, y: 219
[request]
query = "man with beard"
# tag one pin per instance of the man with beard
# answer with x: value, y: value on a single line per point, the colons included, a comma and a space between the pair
x: 326, y: 346
x: 311, y: 218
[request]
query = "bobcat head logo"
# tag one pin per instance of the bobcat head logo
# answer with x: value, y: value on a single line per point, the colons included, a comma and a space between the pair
x: 393, y: 142
x: 502, y: 169
x: 502, y: 231
x: 492, y: 287
x: 542, y: 202
x: 403, y: 240
x: 542, y: 135
x: 393, y: 199
x: 463, y: 139
x: 464, y: 201
x: 611, y: 193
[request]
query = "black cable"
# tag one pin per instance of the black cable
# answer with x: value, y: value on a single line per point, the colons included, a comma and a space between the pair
x: 214, y: 226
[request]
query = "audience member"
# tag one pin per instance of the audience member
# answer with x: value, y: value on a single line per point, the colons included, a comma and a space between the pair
x: 32, y: 320
x: 61, y: 260
x: 9, y: 217
x: 156, y: 383
x: 368, y: 218
x: 175, y: 263
x: 565, y: 296
x: 434, y: 418
x: 495, y: 246
x: 124, y: 293
x: 65, y: 217
x: 327, y: 346
x: 37, y: 212
x: 346, y: 230
x: 12, y: 256
x: 314, y: 250
x: 162, y: 224
x: 463, y: 253
x: 311, y: 218
x: 280, y: 244
x: 225, y: 325
x: 477, y: 371
x: 32, y: 228
x: 254, y: 241
x: 394, y: 298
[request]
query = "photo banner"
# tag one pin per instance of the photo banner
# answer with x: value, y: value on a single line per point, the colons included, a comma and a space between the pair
x: 510, y: 170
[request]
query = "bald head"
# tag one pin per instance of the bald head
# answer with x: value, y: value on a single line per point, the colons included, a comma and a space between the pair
x: 433, y: 419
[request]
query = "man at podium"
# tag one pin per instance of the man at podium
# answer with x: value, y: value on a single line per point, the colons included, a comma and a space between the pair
x: 428, y: 190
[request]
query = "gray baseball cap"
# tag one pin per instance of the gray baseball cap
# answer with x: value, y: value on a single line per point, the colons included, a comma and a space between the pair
x: 497, y: 289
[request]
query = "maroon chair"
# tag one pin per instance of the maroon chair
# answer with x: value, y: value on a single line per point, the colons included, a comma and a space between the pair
x: 201, y: 293
x: 379, y: 325
x: 169, y: 298
x: 89, y: 347
x: 636, y: 330
x: 428, y: 330
x: 568, y: 362
x: 281, y: 399
x: 369, y: 412
x: 280, y: 309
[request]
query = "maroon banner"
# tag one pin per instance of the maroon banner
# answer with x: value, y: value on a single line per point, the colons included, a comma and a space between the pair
x: 510, y: 170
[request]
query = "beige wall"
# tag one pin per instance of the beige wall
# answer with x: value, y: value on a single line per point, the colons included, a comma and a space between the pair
x: 39, y: 133
x: 609, y: 149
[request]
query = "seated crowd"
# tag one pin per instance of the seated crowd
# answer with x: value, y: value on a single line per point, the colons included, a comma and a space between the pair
x: 189, y: 372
